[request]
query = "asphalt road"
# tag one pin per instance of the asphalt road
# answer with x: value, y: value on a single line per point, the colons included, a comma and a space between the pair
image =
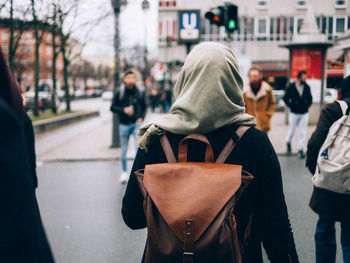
x: 80, y: 206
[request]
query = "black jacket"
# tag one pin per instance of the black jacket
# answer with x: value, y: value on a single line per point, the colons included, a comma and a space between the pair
x: 29, y: 134
x: 125, y: 97
x: 298, y: 104
x: 326, y: 203
x: 265, y: 197
x: 22, y: 236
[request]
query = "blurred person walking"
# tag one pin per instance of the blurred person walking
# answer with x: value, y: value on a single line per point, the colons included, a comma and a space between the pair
x: 209, y: 101
x: 330, y: 206
x: 129, y: 103
x: 22, y: 237
x: 298, y: 98
x: 259, y: 99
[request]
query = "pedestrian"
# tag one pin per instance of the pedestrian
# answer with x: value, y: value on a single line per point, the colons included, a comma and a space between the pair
x: 22, y: 237
x: 208, y: 100
x: 331, y: 207
x: 298, y: 98
x: 129, y: 103
x: 259, y: 99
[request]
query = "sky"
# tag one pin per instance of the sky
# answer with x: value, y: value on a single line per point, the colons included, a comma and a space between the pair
x: 133, y: 23
x: 99, y: 40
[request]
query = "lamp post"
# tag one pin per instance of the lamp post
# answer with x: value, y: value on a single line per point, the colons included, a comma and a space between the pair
x: 116, y: 4
x: 145, y: 7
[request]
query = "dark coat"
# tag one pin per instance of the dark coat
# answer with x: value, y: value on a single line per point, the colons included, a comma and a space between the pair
x: 22, y: 236
x: 125, y: 97
x: 29, y: 133
x: 265, y: 197
x: 298, y: 104
x: 323, y: 202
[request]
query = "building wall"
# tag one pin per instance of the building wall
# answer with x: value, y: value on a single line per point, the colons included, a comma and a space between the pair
x: 280, y: 19
x: 25, y: 57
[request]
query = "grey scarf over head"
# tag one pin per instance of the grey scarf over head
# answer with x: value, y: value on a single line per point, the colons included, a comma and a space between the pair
x: 208, y: 96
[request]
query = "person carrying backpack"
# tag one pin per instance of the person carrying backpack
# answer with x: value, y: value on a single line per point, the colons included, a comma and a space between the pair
x: 208, y: 113
x: 331, y: 206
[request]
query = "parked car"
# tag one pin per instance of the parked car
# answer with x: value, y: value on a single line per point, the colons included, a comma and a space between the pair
x: 107, y: 95
x: 44, y: 99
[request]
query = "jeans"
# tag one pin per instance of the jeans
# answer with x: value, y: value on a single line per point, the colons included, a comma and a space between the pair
x: 125, y: 130
x: 326, y: 241
x: 294, y: 121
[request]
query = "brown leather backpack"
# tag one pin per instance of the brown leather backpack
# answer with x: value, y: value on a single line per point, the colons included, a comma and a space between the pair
x: 189, y: 205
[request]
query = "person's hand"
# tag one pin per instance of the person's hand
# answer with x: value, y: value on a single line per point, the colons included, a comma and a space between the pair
x: 139, y: 120
x: 129, y: 111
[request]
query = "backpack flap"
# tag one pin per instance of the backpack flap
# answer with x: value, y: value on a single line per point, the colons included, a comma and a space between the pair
x: 191, y: 191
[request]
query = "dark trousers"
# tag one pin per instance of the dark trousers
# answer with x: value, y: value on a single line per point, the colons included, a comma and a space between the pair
x: 325, y: 240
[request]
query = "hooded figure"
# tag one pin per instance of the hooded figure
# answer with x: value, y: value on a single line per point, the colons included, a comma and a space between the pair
x: 22, y: 236
x: 208, y: 100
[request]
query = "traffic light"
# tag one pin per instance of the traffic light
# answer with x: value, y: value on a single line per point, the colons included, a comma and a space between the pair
x: 226, y: 15
x: 216, y: 15
x: 231, y: 18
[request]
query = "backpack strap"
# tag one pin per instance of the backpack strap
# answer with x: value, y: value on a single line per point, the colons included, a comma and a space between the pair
x: 231, y: 144
x: 344, y: 106
x: 170, y: 156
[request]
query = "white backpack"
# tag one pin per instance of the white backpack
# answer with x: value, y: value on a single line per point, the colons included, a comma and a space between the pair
x: 333, y: 162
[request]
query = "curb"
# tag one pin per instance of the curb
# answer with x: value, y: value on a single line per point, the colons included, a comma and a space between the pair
x: 83, y: 160
x: 60, y: 121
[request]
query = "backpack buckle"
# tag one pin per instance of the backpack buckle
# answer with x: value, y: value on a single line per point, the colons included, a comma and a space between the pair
x: 188, y: 254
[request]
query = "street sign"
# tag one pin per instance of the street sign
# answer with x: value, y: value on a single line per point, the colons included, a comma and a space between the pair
x: 189, y: 26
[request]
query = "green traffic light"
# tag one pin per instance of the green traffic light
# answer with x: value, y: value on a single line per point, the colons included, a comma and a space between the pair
x: 232, y: 24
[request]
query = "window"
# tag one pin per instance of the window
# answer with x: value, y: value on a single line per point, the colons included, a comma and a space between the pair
x: 301, y: 4
x: 262, y: 26
x: 48, y: 50
x: 340, y: 3
x: 167, y: 3
x: 339, y: 25
x: 23, y: 49
x: 262, y: 4
x: 30, y: 76
x: 4, y: 35
x: 298, y: 21
x: 30, y: 50
x: 49, y: 63
x: 28, y: 35
x: 4, y: 49
x: 48, y: 37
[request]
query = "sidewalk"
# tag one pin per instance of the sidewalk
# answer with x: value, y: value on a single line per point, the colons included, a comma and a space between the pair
x: 94, y: 144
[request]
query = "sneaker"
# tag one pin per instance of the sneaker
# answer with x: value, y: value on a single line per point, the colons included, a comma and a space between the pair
x: 289, y: 148
x: 301, y: 154
x: 124, y: 177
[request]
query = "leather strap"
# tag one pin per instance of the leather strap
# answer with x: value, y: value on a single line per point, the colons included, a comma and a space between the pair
x: 170, y: 156
x: 231, y: 144
x: 209, y: 156
x: 188, y: 242
x: 247, y: 233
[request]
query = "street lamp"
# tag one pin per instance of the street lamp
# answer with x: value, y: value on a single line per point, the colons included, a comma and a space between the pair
x: 145, y: 7
x: 116, y: 4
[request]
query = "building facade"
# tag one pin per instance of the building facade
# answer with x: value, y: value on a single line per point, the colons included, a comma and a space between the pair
x: 263, y: 26
x: 25, y: 56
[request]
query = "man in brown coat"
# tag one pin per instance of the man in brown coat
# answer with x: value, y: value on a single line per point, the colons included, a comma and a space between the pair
x: 259, y: 99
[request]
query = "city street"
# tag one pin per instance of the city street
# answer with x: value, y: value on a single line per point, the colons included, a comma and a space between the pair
x: 80, y: 196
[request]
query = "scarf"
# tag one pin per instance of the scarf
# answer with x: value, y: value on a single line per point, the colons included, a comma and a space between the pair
x: 208, y: 96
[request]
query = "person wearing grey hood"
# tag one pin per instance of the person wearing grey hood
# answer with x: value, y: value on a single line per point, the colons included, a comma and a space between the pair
x: 209, y: 100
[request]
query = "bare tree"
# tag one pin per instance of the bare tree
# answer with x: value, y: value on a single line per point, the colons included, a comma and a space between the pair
x: 39, y: 27
x: 16, y: 27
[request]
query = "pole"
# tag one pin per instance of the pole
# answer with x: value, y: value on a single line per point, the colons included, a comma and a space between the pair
x: 323, y: 77
x: 145, y: 6
x: 188, y: 48
x: 115, y: 126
